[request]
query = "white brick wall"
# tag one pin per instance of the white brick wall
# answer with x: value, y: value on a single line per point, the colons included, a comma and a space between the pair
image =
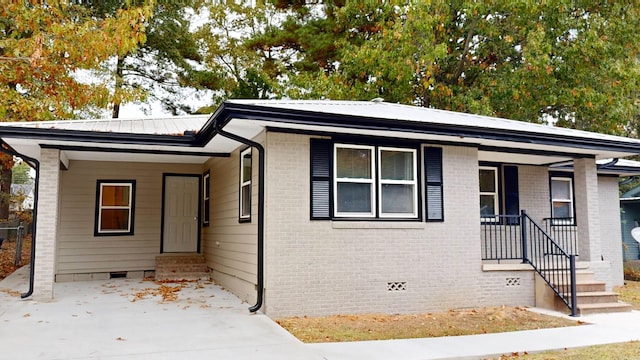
x: 322, y: 267
x: 610, y: 227
x: 46, y: 224
x: 587, y: 213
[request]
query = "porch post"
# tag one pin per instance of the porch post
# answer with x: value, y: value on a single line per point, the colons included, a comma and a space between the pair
x: 47, y: 224
x: 587, y: 210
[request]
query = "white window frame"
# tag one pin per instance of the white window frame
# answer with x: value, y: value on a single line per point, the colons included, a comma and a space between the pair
x: 370, y: 181
x: 414, y: 183
x: 206, y: 198
x: 101, y: 207
x: 495, y: 193
x: 569, y: 201
x: 244, y: 184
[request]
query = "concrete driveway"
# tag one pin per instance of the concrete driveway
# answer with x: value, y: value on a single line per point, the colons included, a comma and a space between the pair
x: 128, y: 319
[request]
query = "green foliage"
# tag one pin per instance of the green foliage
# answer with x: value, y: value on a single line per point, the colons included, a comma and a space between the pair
x: 20, y: 174
x: 574, y: 62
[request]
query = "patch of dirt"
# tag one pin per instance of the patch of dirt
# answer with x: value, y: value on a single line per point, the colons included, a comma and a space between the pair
x: 8, y: 253
x: 450, y: 323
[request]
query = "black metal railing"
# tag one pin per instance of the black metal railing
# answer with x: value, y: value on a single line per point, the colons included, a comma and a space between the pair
x: 518, y: 237
x: 556, y: 266
x: 564, y: 232
x: 501, y: 237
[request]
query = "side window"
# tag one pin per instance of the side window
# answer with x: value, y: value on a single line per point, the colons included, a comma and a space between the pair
x: 562, y: 206
x: 499, y: 194
x: 245, y: 185
x: 489, y: 205
x: 206, y: 197
x: 114, y: 207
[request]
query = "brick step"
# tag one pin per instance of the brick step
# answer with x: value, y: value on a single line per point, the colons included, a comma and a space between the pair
x: 181, y: 267
x: 599, y: 308
x: 190, y: 276
x: 179, y: 259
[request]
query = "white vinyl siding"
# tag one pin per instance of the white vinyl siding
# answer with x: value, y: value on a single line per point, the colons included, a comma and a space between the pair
x: 78, y: 250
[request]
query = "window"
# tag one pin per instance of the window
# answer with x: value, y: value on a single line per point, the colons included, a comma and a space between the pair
x: 397, y: 182
x: 562, y: 199
x: 206, y: 198
x: 498, y: 186
x: 245, y: 185
x: 489, y: 193
x: 375, y: 182
x: 354, y: 188
x: 114, y: 207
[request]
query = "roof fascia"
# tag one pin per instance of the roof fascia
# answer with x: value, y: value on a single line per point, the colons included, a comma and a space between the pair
x: 96, y: 136
x: 228, y: 111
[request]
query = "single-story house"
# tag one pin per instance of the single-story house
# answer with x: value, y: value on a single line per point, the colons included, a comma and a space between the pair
x: 630, y: 219
x: 326, y: 207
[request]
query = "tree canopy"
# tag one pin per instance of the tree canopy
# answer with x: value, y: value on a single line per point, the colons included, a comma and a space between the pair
x: 572, y: 62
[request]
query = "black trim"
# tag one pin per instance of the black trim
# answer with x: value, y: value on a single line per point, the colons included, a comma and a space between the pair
x: 96, y: 226
x: 246, y: 219
x: 131, y: 151
x: 435, y: 183
x: 230, y: 110
x: 321, y: 179
x: 206, y: 198
x: 164, y: 183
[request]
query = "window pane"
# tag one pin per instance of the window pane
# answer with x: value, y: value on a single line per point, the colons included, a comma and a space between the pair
x: 487, y: 180
x: 246, y: 200
x: 561, y: 209
x: 353, y: 163
x: 560, y: 189
x: 487, y: 205
x: 114, y: 195
x: 397, y: 199
x: 354, y: 197
x: 114, y: 219
x: 246, y: 167
x: 396, y: 165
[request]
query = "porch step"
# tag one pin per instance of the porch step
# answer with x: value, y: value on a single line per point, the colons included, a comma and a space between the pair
x: 596, y: 297
x: 585, y: 286
x: 599, y: 308
x: 175, y: 267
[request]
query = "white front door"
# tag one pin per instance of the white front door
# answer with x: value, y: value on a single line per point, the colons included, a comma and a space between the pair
x: 180, y: 230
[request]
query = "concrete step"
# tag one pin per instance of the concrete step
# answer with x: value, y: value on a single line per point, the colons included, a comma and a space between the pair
x: 582, y: 276
x: 585, y: 286
x: 180, y: 259
x: 599, y: 308
x: 596, y: 297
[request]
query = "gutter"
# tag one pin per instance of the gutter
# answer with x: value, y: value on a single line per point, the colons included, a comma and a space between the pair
x: 4, y: 147
x: 260, y: 253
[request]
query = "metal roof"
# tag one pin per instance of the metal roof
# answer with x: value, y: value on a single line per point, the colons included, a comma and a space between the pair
x: 196, y: 138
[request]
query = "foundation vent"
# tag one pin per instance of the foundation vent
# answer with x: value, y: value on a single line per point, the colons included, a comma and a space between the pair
x: 511, y: 282
x: 397, y: 286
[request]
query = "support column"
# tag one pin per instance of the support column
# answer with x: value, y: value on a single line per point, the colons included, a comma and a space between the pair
x: 47, y: 224
x: 587, y: 209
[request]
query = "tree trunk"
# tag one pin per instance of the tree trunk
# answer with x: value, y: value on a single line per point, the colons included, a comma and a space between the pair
x: 119, y: 84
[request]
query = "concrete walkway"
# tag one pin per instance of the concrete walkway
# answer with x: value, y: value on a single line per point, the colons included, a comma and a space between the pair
x: 127, y: 319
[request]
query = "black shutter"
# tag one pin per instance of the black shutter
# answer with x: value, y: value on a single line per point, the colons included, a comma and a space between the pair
x: 511, y: 194
x: 320, y: 179
x: 433, y: 186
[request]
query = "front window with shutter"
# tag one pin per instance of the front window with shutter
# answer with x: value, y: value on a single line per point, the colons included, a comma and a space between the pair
x: 363, y: 181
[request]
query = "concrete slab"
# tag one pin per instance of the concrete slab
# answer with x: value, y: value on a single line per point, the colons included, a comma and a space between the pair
x: 127, y: 319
